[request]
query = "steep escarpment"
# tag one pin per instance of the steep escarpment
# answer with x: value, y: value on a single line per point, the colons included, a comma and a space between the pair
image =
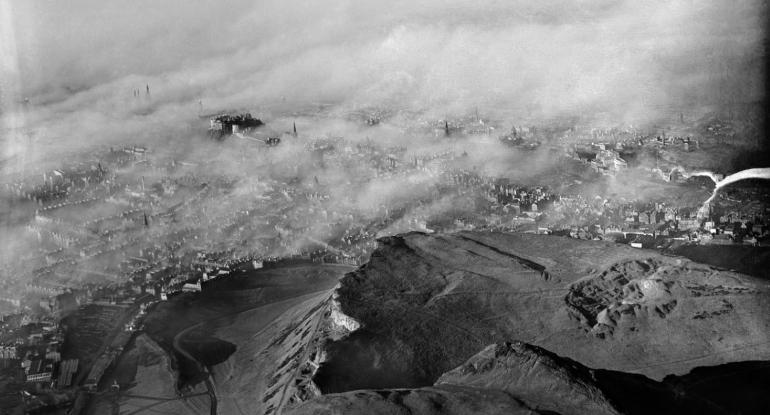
x: 535, y: 376
x: 253, y: 340
x: 426, y: 303
x: 547, y: 381
x: 519, y: 378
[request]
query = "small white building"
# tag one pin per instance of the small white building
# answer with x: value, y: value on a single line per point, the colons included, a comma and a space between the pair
x: 190, y: 287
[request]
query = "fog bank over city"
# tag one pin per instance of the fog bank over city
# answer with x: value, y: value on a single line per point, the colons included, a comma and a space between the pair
x: 74, y: 66
x: 286, y: 207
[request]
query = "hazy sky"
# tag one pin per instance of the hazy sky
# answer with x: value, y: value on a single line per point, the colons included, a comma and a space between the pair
x: 78, y: 61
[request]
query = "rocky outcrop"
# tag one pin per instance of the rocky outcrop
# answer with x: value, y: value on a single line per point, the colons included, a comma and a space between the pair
x: 339, y: 322
x: 426, y: 303
x: 519, y: 378
x: 535, y: 376
x: 441, y: 400
x: 601, y: 326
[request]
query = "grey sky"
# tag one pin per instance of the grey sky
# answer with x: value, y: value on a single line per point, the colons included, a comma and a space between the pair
x: 78, y: 60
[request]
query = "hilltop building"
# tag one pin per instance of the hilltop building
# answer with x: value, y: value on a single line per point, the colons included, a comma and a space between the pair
x: 226, y: 124
x: 609, y: 160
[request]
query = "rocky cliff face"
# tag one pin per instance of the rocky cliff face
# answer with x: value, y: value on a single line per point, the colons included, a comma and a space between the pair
x: 427, y: 303
x: 340, y: 322
x: 518, y: 378
x: 429, y: 306
x: 533, y: 375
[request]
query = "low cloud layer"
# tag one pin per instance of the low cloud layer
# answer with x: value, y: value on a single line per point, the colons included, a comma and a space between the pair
x: 70, y: 68
x: 75, y: 75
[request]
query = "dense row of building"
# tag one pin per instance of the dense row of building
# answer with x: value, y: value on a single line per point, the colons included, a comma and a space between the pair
x: 151, y: 238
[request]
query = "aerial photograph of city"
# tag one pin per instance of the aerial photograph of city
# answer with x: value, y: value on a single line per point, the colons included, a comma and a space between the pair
x: 447, y: 207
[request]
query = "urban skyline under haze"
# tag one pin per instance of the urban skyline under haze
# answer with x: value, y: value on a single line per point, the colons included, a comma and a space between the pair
x: 445, y: 207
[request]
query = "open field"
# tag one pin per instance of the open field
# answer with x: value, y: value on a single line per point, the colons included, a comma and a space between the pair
x: 147, y: 385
